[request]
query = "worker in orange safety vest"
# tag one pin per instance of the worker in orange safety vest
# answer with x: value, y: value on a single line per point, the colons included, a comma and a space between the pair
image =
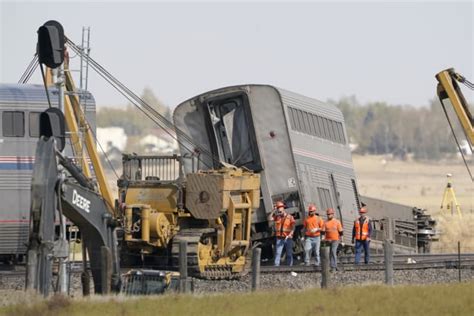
x: 333, y: 233
x: 313, y: 226
x: 284, y: 229
x: 361, y: 233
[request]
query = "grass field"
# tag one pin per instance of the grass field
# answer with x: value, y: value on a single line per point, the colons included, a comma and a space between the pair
x: 422, y: 185
x: 452, y: 299
x: 413, y: 183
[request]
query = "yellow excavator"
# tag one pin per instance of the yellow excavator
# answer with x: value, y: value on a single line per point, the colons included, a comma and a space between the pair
x: 158, y: 206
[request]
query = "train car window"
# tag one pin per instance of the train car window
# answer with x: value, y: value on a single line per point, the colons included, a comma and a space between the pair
x: 335, y: 131
x: 13, y: 124
x: 34, y: 124
x: 303, y: 124
x: 306, y: 117
x: 312, y: 129
x: 321, y: 127
x: 333, y: 128
x: 315, y: 125
x: 231, y: 126
x: 326, y: 128
x: 299, y: 125
x: 341, y: 132
x: 291, y: 113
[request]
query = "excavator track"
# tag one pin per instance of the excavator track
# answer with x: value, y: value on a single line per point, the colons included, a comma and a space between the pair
x: 193, y: 237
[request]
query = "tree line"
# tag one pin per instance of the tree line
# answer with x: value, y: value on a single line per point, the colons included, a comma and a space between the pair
x: 132, y: 120
x: 377, y: 128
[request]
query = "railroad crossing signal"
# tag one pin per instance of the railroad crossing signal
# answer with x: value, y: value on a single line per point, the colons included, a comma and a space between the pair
x: 51, y: 44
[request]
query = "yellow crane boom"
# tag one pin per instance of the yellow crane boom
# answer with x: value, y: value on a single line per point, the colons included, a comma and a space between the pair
x: 448, y: 90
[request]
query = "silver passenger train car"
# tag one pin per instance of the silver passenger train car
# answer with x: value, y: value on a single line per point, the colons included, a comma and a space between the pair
x: 299, y: 146
x: 20, y: 108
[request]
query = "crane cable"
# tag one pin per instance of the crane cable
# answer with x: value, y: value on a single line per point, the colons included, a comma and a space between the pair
x: 144, y: 107
x: 25, y: 77
x: 30, y: 69
x: 151, y: 113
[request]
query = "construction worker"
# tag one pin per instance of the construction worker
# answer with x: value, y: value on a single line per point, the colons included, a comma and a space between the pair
x: 313, y: 226
x: 284, y: 229
x: 361, y: 234
x: 333, y: 233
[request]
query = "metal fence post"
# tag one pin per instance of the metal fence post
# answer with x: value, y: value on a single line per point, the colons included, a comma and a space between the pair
x: 183, y: 266
x: 256, y: 254
x: 388, y: 256
x: 459, y: 260
x: 325, y: 276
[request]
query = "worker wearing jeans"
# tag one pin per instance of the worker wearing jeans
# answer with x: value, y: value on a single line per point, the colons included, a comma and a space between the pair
x: 284, y: 229
x: 361, y: 234
x: 286, y: 243
x: 313, y: 226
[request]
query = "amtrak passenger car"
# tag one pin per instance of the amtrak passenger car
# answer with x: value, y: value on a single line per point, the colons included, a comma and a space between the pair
x: 20, y: 107
x: 299, y: 146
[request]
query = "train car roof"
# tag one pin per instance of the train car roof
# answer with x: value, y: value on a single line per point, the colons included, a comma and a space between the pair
x: 289, y: 98
x: 14, y: 93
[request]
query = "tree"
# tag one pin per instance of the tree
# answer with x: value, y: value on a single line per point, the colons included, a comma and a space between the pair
x: 380, y: 128
x: 131, y: 119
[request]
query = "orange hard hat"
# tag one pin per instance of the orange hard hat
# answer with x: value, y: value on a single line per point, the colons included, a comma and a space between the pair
x: 312, y: 208
x: 363, y: 210
x: 279, y: 204
x: 330, y: 211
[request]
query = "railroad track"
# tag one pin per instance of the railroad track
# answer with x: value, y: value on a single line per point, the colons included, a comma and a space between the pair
x: 400, y: 262
x: 19, y: 270
x: 379, y: 258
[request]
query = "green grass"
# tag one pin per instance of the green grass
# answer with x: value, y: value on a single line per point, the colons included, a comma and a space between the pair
x: 452, y: 299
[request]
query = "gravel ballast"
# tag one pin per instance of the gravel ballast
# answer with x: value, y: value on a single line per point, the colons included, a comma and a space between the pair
x: 11, y: 286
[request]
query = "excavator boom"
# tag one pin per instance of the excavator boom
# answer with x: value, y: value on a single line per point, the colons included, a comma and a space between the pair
x: 448, y: 90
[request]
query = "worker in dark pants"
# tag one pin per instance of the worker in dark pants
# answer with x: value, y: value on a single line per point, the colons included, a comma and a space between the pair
x: 361, y: 235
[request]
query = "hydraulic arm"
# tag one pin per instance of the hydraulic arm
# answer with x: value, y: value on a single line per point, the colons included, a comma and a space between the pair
x: 85, y: 208
x: 448, y: 90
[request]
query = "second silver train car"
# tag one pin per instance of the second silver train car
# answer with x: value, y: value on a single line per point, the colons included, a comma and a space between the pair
x: 20, y: 107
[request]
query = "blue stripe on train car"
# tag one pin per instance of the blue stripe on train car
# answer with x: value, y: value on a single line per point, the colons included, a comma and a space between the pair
x: 16, y: 166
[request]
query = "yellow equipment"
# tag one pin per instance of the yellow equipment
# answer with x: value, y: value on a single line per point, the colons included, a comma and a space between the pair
x: 449, y: 202
x: 211, y: 210
x: 448, y: 90
x: 158, y: 206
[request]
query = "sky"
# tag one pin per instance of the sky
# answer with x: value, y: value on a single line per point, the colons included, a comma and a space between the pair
x: 376, y: 51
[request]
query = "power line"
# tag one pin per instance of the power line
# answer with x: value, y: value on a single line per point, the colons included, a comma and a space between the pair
x: 144, y: 107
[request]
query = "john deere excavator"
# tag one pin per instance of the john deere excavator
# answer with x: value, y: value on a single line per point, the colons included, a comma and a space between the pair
x: 157, y: 207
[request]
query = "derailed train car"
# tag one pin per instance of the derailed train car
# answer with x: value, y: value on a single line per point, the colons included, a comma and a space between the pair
x: 20, y: 107
x: 299, y: 145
